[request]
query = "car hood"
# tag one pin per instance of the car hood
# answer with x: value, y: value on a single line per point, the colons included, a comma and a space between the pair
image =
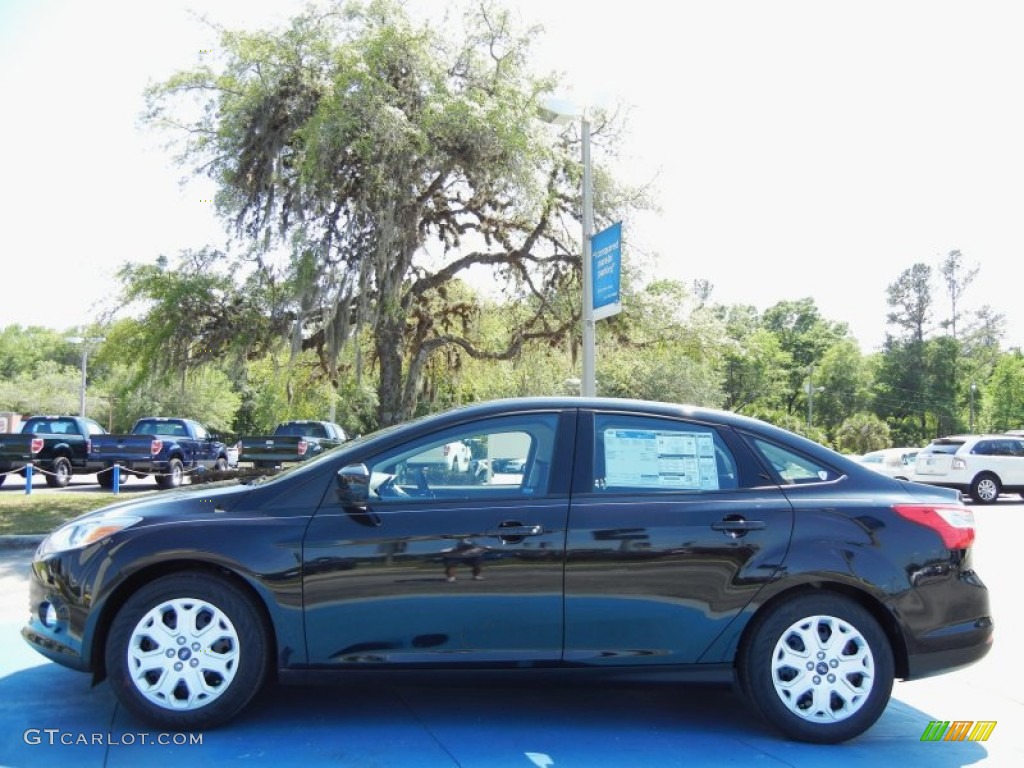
x: 182, y: 502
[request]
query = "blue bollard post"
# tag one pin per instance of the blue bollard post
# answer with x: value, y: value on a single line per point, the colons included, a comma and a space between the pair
x: 117, y: 478
x: 28, y: 478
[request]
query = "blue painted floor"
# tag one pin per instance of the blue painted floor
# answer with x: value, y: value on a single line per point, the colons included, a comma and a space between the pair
x: 436, y: 724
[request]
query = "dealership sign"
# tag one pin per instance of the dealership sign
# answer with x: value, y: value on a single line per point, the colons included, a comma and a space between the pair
x: 606, y: 270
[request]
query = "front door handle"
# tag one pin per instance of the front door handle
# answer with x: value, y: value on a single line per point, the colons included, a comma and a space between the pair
x: 516, y: 531
x: 736, y: 526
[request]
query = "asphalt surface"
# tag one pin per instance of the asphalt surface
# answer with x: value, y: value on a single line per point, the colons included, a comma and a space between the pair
x: 50, y: 715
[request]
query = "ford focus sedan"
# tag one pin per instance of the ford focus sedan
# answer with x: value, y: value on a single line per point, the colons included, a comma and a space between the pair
x: 633, y: 537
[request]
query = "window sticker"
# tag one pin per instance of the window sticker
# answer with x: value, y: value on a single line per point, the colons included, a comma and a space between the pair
x: 647, y: 458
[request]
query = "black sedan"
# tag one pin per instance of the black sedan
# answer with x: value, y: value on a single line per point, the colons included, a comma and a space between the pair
x: 638, y: 537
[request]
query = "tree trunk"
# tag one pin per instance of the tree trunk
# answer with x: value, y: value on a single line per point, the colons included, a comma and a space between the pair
x: 391, y: 405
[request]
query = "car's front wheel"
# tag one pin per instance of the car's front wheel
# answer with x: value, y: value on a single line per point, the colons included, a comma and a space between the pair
x: 187, y: 652
x: 986, y: 488
x: 819, y: 668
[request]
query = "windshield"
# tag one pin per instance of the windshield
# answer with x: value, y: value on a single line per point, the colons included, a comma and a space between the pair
x: 314, y: 463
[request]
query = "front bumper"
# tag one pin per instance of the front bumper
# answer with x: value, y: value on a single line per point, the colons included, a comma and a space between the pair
x: 59, y: 616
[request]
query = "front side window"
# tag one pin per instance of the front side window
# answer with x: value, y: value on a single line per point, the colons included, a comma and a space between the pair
x: 652, y: 454
x: 497, y: 458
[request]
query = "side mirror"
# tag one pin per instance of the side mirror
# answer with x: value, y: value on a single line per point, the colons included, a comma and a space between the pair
x: 353, y: 485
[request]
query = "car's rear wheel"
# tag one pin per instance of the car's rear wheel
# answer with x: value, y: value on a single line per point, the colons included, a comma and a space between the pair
x: 187, y: 652
x: 60, y: 474
x: 173, y: 476
x: 106, y: 477
x: 819, y: 668
x: 985, y: 488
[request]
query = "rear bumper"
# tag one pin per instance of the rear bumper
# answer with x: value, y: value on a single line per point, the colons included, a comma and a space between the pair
x: 942, y: 483
x: 951, y: 648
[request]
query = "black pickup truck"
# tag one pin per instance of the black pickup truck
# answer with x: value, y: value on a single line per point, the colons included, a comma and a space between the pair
x: 58, y: 445
x: 292, y: 441
x: 166, y: 448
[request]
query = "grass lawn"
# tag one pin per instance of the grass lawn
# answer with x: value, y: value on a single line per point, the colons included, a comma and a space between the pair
x: 42, y: 512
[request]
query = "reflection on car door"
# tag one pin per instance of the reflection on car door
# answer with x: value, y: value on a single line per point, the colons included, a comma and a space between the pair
x: 467, y: 567
x: 671, y: 533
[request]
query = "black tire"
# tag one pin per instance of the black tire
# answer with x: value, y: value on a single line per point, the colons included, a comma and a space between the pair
x: 173, y: 476
x: 852, y: 679
x: 985, y: 488
x: 60, y: 473
x: 178, y: 692
x: 106, y: 478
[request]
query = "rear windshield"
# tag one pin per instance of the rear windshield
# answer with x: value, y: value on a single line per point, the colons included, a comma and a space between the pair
x: 50, y: 427
x: 944, y: 446
x: 302, y: 430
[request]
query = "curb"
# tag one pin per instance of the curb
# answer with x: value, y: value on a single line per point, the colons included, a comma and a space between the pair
x: 21, y: 540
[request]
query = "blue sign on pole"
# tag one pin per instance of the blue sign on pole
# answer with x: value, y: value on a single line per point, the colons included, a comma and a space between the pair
x: 606, y: 270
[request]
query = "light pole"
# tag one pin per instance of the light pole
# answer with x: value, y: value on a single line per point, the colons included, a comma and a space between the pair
x: 811, y: 389
x: 560, y: 113
x: 974, y: 388
x: 85, y: 342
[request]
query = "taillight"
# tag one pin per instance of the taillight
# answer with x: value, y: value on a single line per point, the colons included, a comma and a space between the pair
x: 155, y: 447
x: 953, y: 522
x: 303, y: 445
x: 88, y: 445
x: 37, y: 445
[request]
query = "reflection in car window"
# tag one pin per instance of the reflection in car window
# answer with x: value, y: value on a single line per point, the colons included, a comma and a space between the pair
x: 492, y: 459
x: 659, y: 455
x: 792, y: 467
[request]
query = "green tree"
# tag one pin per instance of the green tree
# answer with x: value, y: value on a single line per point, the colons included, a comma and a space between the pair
x: 805, y: 336
x: 49, y: 387
x: 1001, y: 400
x: 846, y: 378
x: 861, y: 433
x: 23, y: 348
x: 382, y: 161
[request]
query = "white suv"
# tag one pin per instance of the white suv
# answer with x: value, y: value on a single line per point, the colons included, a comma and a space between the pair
x: 980, y: 465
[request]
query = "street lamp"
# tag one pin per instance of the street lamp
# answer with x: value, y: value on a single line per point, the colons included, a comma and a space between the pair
x: 811, y: 389
x: 974, y: 388
x: 85, y: 342
x: 560, y: 113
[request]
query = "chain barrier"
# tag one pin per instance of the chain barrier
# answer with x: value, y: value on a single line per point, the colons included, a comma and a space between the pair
x: 29, y: 469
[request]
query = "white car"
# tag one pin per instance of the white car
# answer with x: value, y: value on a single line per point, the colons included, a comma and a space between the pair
x: 452, y: 457
x: 892, y: 462
x: 983, y: 466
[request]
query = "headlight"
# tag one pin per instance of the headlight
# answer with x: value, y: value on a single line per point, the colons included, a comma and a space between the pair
x: 76, y: 535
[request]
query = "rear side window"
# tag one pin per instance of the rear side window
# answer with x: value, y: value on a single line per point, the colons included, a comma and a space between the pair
x: 791, y: 467
x: 998, y: 448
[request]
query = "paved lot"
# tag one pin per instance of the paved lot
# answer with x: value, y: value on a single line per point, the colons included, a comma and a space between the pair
x: 470, y: 724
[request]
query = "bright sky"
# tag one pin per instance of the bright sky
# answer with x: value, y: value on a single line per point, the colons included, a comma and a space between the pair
x: 800, y: 147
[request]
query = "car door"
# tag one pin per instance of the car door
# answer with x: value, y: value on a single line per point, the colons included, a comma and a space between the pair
x: 205, y: 450
x: 445, y: 566
x: 672, y: 532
